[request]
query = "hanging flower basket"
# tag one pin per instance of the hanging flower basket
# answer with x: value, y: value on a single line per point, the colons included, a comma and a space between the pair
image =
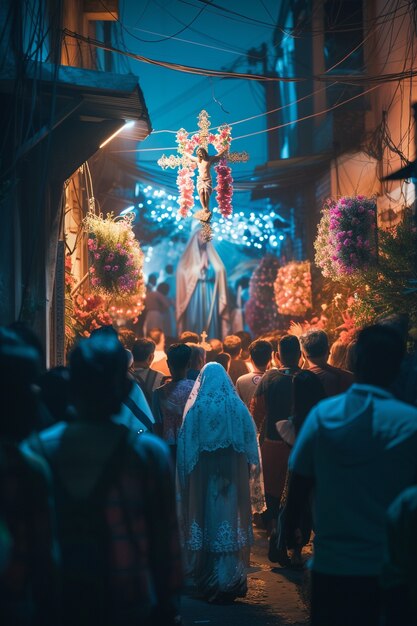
x: 346, y: 236
x: 116, y: 257
x: 293, y: 289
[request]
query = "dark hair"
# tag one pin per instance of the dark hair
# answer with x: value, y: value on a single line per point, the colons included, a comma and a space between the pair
x: 245, y: 338
x: 188, y: 337
x: 142, y: 349
x: 198, y: 356
x: 398, y: 322
x: 155, y: 334
x: 55, y: 392
x: 178, y: 356
x: 19, y: 370
x: 169, y: 268
x: 378, y: 354
x: 289, y: 350
x: 260, y: 352
x: 108, y: 329
x: 308, y: 390
x: 203, y: 150
x: 315, y: 343
x: 232, y: 345
x: 224, y: 359
x: 163, y: 288
x: 28, y: 337
x: 152, y: 278
x: 98, y: 375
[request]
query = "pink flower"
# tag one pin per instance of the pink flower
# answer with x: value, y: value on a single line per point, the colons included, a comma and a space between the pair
x: 107, y: 268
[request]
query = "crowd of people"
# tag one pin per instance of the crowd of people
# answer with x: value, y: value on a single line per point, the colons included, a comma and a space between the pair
x: 135, y: 474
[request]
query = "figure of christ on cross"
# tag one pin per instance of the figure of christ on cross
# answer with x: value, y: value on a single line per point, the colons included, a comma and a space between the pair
x: 204, y: 181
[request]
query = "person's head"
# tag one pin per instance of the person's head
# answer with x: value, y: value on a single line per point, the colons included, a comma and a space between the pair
x: 178, y: 359
x: 98, y: 376
x: 232, y: 345
x: 143, y: 351
x: 216, y: 346
x: 20, y: 366
x: 246, y: 339
x: 289, y: 351
x: 378, y: 355
x: 29, y: 338
x: 308, y: 390
x: 198, y: 357
x: 223, y: 359
x: 108, y: 331
x: 127, y: 337
x: 260, y: 353
x: 158, y: 337
x: 398, y: 322
x: 169, y: 269
x: 337, y: 356
x: 315, y: 345
x: 163, y: 288
x: 188, y: 337
x: 202, y: 153
x: 152, y: 279
x: 55, y: 392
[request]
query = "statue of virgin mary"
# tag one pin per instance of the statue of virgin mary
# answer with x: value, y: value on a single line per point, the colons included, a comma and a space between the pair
x: 202, y: 290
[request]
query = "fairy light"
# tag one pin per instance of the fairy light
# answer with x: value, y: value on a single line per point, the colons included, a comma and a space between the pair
x: 252, y: 230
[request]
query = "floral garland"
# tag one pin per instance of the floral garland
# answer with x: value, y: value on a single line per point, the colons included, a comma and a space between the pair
x: 186, y: 145
x: 185, y: 184
x: 346, y: 236
x: 293, y: 289
x: 117, y: 259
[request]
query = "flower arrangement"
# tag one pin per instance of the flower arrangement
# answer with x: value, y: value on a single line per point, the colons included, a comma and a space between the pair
x: 90, y: 312
x: 260, y: 311
x: 346, y: 236
x: 292, y: 289
x: 117, y: 259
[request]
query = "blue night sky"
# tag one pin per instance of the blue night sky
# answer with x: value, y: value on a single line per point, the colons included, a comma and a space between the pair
x: 215, y: 40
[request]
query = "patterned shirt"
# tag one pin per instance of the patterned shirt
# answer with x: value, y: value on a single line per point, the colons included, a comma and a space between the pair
x: 142, y: 551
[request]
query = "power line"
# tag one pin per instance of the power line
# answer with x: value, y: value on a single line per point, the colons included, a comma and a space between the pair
x: 177, y: 66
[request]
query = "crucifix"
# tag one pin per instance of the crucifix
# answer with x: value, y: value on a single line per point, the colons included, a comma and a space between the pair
x: 187, y: 162
x: 203, y: 343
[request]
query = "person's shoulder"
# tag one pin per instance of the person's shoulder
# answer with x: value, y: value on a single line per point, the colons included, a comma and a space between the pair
x: 149, y: 445
x: 36, y: 465
x: 47, y: 437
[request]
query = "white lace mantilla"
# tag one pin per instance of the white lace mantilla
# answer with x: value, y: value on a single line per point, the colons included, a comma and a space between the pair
x: 225, y: 538
x: 214, y: 418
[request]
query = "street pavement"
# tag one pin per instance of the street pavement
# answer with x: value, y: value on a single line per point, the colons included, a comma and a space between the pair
x: 275, y: 597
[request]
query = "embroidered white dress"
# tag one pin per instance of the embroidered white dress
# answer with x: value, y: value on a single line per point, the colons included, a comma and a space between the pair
x: 216, y: 458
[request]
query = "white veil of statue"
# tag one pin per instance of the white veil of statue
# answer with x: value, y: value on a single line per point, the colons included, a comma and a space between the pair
x: 202, y: 290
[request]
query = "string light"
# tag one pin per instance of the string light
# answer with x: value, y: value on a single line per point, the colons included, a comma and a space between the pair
x: 250, y: 230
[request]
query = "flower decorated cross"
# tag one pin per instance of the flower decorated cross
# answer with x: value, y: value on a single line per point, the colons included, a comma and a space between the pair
x: 186, y: 163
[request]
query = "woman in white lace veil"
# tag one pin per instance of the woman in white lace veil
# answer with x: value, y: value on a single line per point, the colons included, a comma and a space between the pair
x: 216, y: 457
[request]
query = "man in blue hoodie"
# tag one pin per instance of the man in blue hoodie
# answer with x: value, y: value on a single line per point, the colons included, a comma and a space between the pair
x: 356, y: 451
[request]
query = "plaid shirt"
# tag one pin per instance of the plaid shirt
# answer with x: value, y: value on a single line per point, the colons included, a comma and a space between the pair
x: 143, y: 560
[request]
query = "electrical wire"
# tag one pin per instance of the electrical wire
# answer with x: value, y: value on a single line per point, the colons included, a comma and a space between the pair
x: 177, y: 66
x: 155, y: 40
